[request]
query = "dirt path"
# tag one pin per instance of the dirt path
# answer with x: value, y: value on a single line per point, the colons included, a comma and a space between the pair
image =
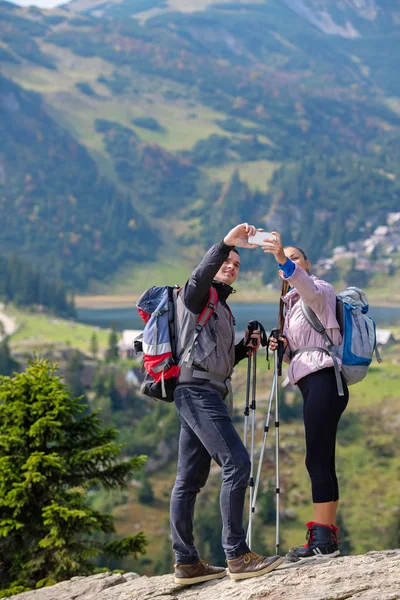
x: 8, y: 325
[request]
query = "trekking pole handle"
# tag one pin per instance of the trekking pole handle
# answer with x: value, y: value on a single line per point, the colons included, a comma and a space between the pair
x: 276, y: 335
x: 256, y: 326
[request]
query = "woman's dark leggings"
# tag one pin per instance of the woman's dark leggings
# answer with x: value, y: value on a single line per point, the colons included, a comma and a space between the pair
x: 322, y: 410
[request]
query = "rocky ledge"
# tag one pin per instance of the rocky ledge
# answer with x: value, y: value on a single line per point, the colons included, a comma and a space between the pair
x: 371, y: 576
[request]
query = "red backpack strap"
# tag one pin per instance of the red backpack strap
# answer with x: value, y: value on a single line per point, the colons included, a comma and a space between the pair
x: 209, y: 307
x: 187, y: 358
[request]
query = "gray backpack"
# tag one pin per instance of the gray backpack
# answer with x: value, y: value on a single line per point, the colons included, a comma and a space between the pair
x: 358, y: 336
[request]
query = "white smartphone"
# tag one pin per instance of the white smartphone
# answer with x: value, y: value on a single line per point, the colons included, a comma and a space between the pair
x: 260, y: 237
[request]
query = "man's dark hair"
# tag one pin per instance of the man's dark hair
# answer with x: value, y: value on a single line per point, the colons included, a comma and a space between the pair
x: 234, y: 250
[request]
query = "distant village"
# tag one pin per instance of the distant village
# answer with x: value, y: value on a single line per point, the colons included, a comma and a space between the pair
x: 379, y: 253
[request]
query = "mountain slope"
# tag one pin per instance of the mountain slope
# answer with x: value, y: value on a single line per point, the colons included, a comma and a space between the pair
x: 178, y: 117
x: 62, y: 210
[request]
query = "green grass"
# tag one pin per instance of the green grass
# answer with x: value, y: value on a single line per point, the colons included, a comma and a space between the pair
x: 37, y: 331
x: 257, y: 174
x: 183, y: 129
x: 133, y: 279
x: 185, y: 121
x: 383, y: 289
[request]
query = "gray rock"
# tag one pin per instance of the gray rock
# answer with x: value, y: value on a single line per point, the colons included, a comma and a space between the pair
x: 371, y: 576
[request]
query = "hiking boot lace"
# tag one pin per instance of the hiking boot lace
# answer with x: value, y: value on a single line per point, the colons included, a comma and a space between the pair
x: 309, y: 536
x: 203, y: 562
x: 335, y: 537
x: 251, y: 556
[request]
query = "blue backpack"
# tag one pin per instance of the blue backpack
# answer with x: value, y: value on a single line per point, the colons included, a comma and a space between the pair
x: 358, y: 336
x: 156, y: 306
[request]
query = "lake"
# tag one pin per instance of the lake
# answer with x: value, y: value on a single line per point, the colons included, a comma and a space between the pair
x: 267, y: 314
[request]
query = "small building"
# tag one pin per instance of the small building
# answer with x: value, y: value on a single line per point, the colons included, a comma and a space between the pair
x: 393, y: 218
x: 381, y: 231
x: 339, y: 250
x: 125, y: 344
x: 384, y: 337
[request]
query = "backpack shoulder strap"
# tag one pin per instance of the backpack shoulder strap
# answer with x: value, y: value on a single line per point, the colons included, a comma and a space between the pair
x: 316, y: 324
x: 202, y: 319
x: 209, y: 308
x: 173, y: 292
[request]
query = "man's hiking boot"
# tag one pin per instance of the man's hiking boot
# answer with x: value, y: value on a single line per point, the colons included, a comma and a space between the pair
x: 197, y: 573
x: 322, y: 540
x: 252, y: 565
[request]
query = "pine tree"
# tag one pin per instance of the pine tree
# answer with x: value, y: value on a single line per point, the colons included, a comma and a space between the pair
x: 346, y: 547
x: 7, y: 364
x: 73, y: 374
x: 112, y: 350
x: 94, y: 345
x: 208, y: 527
x: 51, y: 456
x: 393, y: 536
x: 266, y: 509
x: 146, y: 492
x: 165, y: 559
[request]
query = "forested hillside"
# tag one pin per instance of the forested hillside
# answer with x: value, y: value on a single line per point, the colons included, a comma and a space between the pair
x: 134, y: 129
x: 25, y: 285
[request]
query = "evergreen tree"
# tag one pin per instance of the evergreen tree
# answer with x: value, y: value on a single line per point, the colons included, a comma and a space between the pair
x: 72, y: 307
x: 146, y: 492
x: 393, y: 538
x: 7, y: 364
x: 25, y: 285
x: 265, y: 507
x: 165, y: 559
x: 51, y: 456
x: 112, y: 350
x: 208, y: 527
x: 94, y: 345
x: 104, y: 385
x: 356, y: 277
x: 261, y: 540
x: 346, y: 547
x: 114, y: 394
x: 73, y: 374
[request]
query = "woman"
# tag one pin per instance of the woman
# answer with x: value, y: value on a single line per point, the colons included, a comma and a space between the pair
x: 312, y: 370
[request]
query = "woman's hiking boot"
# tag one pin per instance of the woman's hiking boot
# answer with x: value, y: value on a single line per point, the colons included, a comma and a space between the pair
x: 252, y: 565
x: 322, y: 540
x: 197, y: 573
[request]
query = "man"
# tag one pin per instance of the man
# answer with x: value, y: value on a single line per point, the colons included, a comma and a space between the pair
x: 207, y: 430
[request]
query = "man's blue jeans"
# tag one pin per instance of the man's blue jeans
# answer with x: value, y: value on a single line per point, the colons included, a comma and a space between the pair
x: 207, y: 432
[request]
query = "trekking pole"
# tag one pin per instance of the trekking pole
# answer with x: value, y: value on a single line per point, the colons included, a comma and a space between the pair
x: 253, y: 424
x: 277, y: 485
x: 278, y: 356
x: 247, y: 407
x: 253, y: 325
x: 266, y: 430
